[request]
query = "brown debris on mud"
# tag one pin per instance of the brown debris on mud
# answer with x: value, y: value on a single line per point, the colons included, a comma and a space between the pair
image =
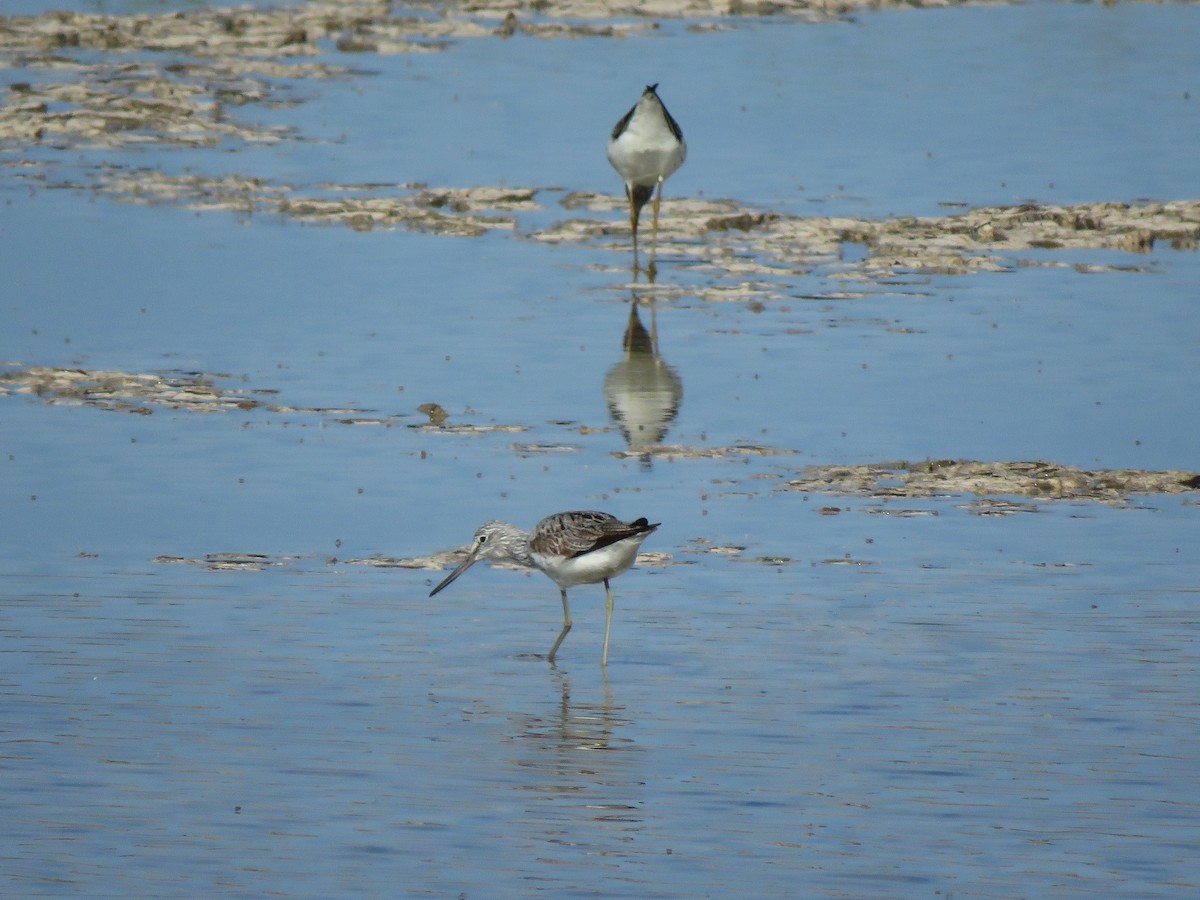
x: 134, y: 104
x: 1037, y: 479
x: 734, y: 237
x: 755, y: 245
x: 144, y: 392
x: 454, y: 211
x: 378, y: 26
x: 237, y: 562
x: 128, y: 391
x: 980, y: 239
x: 281, y: 32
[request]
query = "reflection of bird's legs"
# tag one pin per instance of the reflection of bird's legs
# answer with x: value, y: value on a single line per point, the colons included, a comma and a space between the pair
x: 654, y: 327
x: 566, y: 626
x: 608, y: 610
x: 631, y: 325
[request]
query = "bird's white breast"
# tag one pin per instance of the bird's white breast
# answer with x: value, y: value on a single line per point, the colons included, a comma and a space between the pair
x: 647, y: 149
x: 591, y: 567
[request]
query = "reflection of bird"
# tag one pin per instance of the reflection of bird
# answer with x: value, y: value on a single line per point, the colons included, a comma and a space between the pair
x: 645, y: 148
x: 643, y: 393
x: 571, y: 548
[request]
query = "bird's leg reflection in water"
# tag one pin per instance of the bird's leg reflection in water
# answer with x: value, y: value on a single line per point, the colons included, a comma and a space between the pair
x: 635, y: 301
x: 569, y: 751
x: 650, y: 270
x: 587, y: 726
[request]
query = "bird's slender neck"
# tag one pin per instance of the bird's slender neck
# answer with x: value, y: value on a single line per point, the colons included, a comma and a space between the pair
x: 513, y: 544
x: 519, y: 550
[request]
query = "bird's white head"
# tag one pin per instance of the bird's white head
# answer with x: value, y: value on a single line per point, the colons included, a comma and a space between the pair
x: 492, y: 540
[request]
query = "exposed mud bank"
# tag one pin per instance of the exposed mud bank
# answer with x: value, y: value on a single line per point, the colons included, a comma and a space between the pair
x: 1038, y: 479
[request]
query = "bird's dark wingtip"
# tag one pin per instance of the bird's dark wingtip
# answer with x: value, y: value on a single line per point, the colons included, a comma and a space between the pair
x: 652, y: 88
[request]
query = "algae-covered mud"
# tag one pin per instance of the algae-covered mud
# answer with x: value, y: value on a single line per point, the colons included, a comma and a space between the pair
x: 1043, y: 480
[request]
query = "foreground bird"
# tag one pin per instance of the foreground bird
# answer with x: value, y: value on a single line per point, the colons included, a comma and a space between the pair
x: 571, y: 548
x: 646, y: 146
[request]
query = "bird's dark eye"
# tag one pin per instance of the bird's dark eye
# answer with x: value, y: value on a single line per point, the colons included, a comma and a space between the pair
x: 483, y: 539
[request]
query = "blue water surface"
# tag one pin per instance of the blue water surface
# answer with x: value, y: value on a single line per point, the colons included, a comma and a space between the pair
x: 807, y: 695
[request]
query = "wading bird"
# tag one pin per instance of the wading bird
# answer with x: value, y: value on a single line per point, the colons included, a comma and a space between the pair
x: 646, y: 146
x: 571, y: 548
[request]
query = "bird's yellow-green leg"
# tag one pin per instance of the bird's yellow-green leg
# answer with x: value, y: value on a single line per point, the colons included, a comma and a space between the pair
x: 633, y: 223
x: 657, y: 201
x: 566, y: 627
x: 651, y: 269
x: 608, y: 610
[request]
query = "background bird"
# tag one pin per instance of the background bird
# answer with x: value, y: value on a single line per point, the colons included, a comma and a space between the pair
x: 581, y: 547
x: 646, y: 146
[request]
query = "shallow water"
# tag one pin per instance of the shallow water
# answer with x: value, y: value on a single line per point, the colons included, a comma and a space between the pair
x: 833, y: 695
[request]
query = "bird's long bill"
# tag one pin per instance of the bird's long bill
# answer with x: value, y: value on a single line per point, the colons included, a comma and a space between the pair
x: 462, y: 567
